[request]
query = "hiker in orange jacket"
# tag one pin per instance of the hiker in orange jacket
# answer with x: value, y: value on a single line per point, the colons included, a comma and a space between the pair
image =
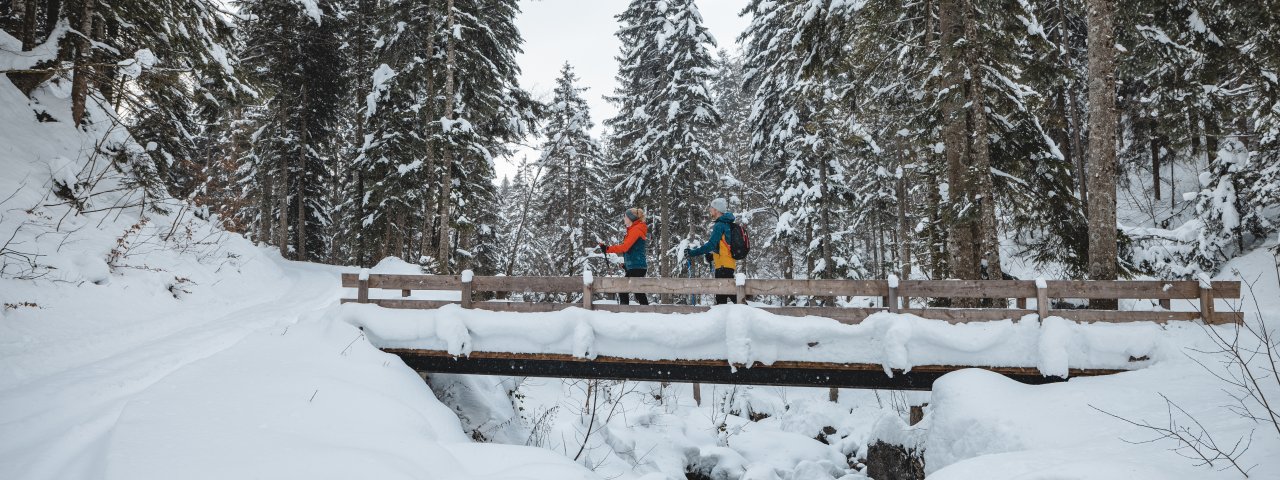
x: 632, y: 250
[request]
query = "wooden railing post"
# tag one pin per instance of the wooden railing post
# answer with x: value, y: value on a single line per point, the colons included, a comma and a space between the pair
x: 467, y: 284
x: 906, y: 300
x: 1206, y: 300
x: 892, y: 298
x: 740, y: 280
x: 587, y: 280
x: 362, y: 292
x: 1042, y: 298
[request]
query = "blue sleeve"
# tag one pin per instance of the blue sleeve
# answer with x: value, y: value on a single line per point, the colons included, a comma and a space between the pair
x: 713, y: 244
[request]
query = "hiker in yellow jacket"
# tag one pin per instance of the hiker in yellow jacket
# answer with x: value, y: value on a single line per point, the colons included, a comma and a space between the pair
x: 718, y: 244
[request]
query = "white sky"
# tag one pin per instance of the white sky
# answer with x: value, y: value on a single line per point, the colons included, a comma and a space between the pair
x: 582, y: 33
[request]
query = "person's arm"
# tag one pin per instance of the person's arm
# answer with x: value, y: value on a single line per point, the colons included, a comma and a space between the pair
x: 633, y: 234
x: 713, y: 244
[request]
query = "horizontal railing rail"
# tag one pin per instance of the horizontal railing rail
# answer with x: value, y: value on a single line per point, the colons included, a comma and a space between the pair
x: 893, y: 295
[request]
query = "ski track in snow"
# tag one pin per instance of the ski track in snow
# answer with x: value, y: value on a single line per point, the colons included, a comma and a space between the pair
x: 66, y: 439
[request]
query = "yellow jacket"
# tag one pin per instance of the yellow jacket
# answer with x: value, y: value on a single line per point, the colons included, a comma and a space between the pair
x: 718, y: 244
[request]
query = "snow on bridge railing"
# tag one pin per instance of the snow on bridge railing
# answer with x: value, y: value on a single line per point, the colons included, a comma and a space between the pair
x: 895, y: 295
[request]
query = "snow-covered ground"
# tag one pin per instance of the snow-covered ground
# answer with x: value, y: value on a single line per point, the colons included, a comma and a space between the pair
x: 984, y: 426
x: 166, y: 348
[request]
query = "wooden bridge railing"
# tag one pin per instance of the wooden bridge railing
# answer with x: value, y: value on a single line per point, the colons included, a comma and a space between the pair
x: 893, y: 297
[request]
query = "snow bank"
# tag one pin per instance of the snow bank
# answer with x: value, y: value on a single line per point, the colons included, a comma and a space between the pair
x: 982, y: 425
x: 395, y: 266
x: 277, y: 398
x: 744, y: 335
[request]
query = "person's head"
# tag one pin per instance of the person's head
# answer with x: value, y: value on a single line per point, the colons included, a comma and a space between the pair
x: 632, y: 215
x: 717, y: 208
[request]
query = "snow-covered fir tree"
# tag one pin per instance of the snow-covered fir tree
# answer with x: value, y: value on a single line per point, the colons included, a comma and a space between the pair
x: 665, y: 122
x: 746, y: 183
x: 123, y: 56
x: 572, y: 181
x: 432, y: 133
x: 293, y: 52
x: 482, y: 114
x: 796, y: 131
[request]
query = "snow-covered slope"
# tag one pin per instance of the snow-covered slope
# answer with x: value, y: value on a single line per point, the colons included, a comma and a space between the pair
x: 136, y: 344
x: 981, y: 425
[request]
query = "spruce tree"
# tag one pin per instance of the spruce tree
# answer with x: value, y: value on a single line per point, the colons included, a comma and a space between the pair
x: 797, y: 131
x: 572, y: 180
x: 665, y: 122
x: 482, y: 114
x: 295, y: 53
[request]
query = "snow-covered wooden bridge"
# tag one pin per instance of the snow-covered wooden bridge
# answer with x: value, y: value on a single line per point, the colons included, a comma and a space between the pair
x: 547, y: 294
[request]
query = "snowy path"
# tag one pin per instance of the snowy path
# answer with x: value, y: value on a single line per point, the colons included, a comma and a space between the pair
x: 58, y: 423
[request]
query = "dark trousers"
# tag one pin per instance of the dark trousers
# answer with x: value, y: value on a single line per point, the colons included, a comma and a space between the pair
x: 624, y: 298
x: 725, y: 273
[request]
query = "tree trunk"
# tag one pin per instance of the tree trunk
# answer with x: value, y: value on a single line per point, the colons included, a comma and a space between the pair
x: 1155, y: 164
x: 266, y: 229
x: 936, y: 238
x: 989, y: 253
x: 1064, y: 124
x: 429, y: 168
x: 18, y: 11
x: 524, y: 215
x: 300, y: 250
x: 1102, y: 146
x: 1173, y: 186
x: 29, y: 26
x: 569, y: 245
x: 904, y: 229
x: 827, y: 262
x: 105, y: 72
x: 80, y: 78
x: 52, y: 11
x: 446, y: 181
x: 954, y: 142
x: 282, y: 236
x: 1071, y: 111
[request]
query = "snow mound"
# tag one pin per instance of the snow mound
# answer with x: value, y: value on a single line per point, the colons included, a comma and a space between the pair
x: 395, y: 266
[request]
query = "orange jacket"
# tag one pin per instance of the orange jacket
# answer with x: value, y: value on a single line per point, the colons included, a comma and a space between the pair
x: 637, y: 232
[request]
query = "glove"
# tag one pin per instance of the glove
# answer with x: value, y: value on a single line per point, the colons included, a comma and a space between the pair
x: 710, y: 259
x: 688, y: 253
x: 600, y: 247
